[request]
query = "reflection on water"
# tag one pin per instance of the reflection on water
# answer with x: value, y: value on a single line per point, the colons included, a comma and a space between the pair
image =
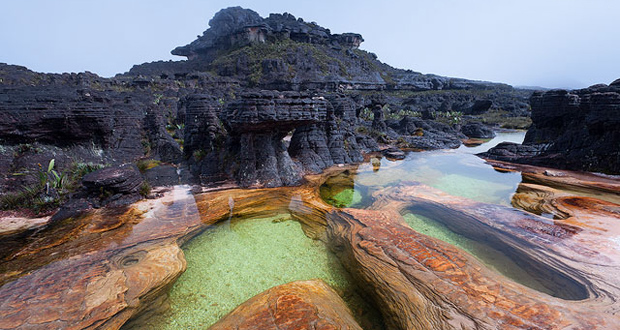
x: 235, y: 260
x: 490, y: 257
x: 457, y: 172
x: 239, y: 258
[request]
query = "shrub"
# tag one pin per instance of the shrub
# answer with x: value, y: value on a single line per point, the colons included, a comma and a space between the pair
x: 145, y: 189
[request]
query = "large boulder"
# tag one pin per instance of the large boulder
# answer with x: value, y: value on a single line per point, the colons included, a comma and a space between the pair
x: 297, y: 305
x: 477, y: 131
x: 123, y: 179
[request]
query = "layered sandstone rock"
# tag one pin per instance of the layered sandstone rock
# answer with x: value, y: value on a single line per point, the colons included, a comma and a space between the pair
x: 420, y: 282
x: 571, y: 129
x: 245, y: 140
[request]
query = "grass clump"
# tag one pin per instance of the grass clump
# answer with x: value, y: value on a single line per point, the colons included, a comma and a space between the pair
x: 147, y: 164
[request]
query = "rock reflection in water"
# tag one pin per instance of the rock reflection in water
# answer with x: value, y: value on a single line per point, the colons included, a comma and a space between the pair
x: 457, y: 172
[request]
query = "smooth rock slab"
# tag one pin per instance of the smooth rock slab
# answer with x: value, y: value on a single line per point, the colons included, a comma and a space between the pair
x: 419, y: 282
x: 297, y: 305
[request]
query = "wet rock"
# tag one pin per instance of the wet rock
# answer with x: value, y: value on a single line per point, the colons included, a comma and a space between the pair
x: 72, y: 209
x: 393, y: 153
x: 477, y: 131
x: 418, y: 281
x: 296, y: 305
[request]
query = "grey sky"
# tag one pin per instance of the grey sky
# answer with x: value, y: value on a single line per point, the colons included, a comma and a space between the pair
x: 549, y: 43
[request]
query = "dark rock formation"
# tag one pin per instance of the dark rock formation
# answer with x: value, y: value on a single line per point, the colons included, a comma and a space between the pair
x: 205, y: 136
x: 258, y: 123
x: 65, y: 116
x: 571, y: 129
x: 333, y: 141
x: 188, y: 111
x: 114, y: 186
x: 163, y: 175
x: 237, y: 27
x: 477, y: 131
x: 245, y: 142
x: 393, y: 153
x: 482, y: 106
x: 120, y: 179
x: 426, y: 134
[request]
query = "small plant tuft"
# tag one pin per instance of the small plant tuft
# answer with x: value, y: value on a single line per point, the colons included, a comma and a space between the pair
x: 147, y: 164
x: 145, y: 189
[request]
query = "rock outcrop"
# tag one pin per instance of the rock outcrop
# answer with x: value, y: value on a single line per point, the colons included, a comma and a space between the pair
x: 245, y: 140
x: 423, y: 134
x: 422, y: 283
x: 238, y: 27
x: 477, y: 131
x: 571, y: 129
x: 258, y: 123
x: 333, y: 141
x: 297, y: 305
x: 184, y: 111
x: 103, y: 269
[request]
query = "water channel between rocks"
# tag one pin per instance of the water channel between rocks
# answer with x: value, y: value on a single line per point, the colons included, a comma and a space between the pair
x: 233, y: 261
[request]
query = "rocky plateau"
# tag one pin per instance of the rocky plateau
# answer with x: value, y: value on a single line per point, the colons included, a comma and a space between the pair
x: 103, y: 180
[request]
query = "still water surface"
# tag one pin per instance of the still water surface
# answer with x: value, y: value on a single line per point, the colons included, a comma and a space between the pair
x: 235, y: 260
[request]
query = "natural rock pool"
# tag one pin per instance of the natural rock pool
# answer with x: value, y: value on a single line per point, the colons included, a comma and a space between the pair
x: 457, y: 172
x: 432, y: 241
x: 237, y: 259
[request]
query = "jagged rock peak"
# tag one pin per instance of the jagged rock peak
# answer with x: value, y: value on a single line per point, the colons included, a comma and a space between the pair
x: 236, y: 26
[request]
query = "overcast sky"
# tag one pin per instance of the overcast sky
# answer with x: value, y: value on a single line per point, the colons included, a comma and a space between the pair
x: 548, y: 43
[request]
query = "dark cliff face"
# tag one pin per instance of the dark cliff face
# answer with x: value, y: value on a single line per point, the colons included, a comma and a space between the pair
x: 571, y: 129
x: 260, y: 101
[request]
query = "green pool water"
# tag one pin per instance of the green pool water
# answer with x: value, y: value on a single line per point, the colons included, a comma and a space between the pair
x: 489, y: 256
x: 458, y: 172
x: 234, y: 261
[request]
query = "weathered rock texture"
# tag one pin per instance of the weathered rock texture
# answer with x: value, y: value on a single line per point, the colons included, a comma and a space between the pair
x: 99, y: 270
x: 183, y: 111
x: 297, y: 305
x: 423, y: 134
x: 236, y: 27
x: 477, y: 131
x: 571, y: 129
x: 421, y: 283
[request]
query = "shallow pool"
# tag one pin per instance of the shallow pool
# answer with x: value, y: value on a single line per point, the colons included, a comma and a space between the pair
x: 237, y: 259
x: 457, y: 172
